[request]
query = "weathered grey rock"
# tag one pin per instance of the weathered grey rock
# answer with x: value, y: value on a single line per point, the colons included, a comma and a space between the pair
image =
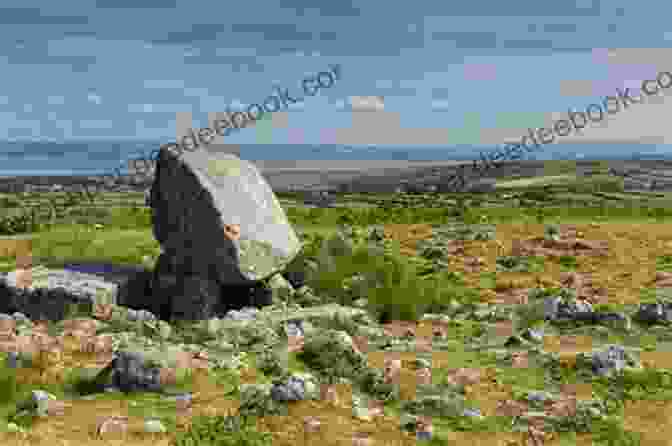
x: 611, y: 359
x: 556, y: 308
x: 296, y: 387
x: 130, y: 372
x: 532, y: 334
x: 12, y: 360
x: 40, y: 401
x: 472, y: 413
x: 195, y: 196
x: 41, y: 302
x: 538, y: 396
x: 155, y: 427
x: 654, y: 313
x: 83, y: 286
x: 140, y: 315
x: 222, y: 231
x: 245, y: 314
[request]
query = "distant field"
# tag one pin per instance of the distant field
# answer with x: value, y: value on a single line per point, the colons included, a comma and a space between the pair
x: 525, y: 182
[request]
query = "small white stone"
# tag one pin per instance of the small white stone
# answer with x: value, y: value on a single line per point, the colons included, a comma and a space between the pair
x: 155, y: 427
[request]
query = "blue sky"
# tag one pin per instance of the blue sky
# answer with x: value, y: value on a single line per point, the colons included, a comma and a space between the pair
x: 472, y: 72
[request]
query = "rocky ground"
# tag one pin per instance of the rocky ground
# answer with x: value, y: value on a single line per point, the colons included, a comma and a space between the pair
x: 556, y: 343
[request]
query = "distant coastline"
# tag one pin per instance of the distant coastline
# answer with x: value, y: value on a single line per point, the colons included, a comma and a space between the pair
x: 317, y: 175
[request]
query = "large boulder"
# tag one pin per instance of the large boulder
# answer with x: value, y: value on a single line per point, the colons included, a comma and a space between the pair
x: 216, y: 210
x: 221, y: 230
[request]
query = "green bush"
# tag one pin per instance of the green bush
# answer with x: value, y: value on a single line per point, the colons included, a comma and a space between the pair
x: 384, y: 277
x: 568, y: 263
x: 8, y: 385
x: 664, y: 263
x: 223, y: 431
x: 610, y: 432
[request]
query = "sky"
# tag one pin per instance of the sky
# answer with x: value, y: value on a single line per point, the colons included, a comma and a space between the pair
x: 412, y: 73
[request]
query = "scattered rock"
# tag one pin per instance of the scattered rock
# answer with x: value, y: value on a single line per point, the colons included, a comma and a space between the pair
x: 41, y: 401
x: 155, y: 427
x: 245, y: 314
x: 473, y: 413
x: 654, y: 313
x: 612, y: 359
x: 131, y: 372
x: 113, y: 427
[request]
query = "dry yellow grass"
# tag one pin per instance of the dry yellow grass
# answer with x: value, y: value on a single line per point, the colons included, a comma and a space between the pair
x: 629, y: 265
x: 653, y: 419
x: 18, y: 247
x: 408, y: 235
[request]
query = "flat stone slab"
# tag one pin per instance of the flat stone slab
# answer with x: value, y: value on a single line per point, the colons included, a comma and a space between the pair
x: 88, y: 286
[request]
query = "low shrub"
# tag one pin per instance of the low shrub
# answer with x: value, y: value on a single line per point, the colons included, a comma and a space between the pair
x: 221, y: 430
x: 384, y: 277
x: 526, y: 264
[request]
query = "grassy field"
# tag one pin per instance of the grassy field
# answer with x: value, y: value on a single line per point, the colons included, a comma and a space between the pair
x: 427, y: 271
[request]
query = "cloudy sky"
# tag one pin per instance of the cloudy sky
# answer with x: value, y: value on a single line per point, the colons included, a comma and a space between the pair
x: 422, y: 72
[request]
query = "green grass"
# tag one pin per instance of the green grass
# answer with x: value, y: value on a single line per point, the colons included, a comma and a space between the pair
x: 13, y: 393
x: 82, y: 243
x: 664, y: 263
x: 528, y: 264
x: 567, y: 263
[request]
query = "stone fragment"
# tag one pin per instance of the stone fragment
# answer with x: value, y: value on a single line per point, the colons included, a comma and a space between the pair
x: 295, y: 388
x: 155, y: 427
x: 40, y: 400
x: 113, y: 427
x: 244, y: 314
x: 131, y: 372
x: 392, y: 369
x: 611, y: 359
x: 311, y: 424
x: 654, y: 313
x: 472, y: 413
x: 424, y: 428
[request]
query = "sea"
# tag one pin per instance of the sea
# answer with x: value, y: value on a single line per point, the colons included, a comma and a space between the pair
x: 102, y: 157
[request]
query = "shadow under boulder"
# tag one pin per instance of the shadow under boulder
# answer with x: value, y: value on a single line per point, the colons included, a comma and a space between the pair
x: 137, y: 290
x: 79, y: 286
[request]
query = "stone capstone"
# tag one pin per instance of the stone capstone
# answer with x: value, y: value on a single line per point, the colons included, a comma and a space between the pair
x: 222, y: 231
x: 196, y: 196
